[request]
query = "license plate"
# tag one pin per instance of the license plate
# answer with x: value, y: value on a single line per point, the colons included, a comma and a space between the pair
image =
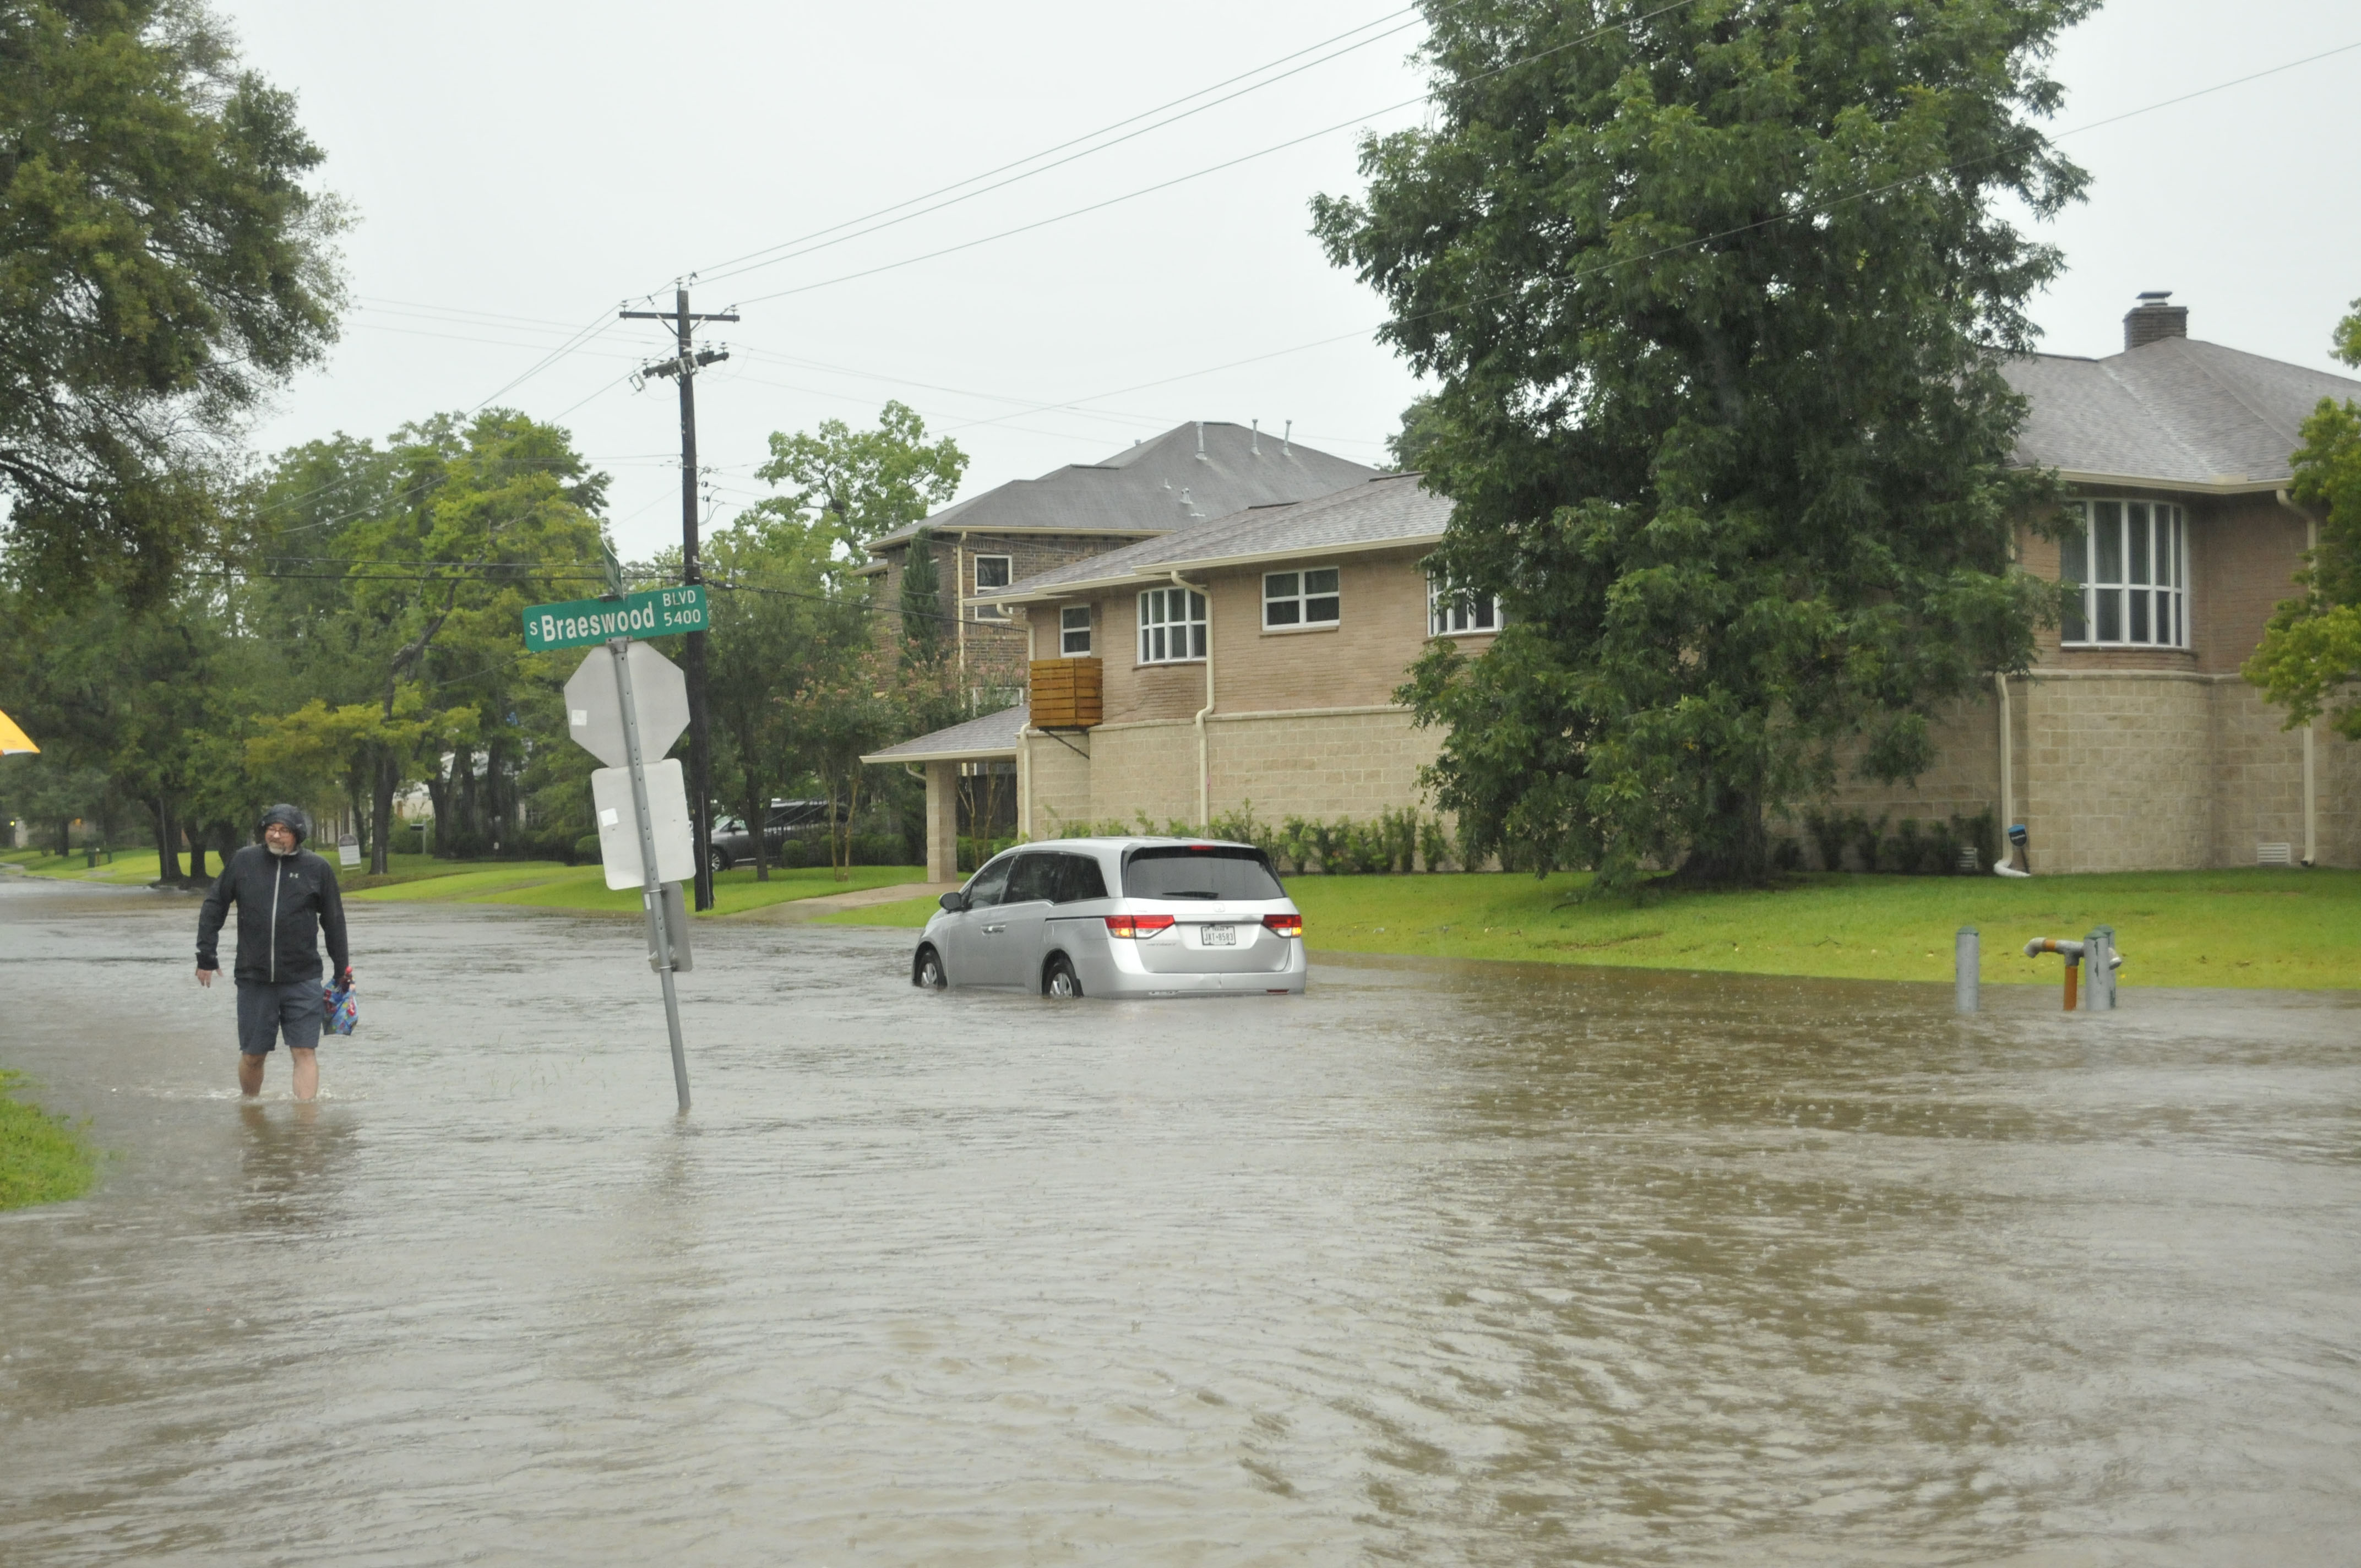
x: 1218, y: 936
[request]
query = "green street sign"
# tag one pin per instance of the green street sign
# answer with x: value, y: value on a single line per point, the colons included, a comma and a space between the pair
x: 665, y: 612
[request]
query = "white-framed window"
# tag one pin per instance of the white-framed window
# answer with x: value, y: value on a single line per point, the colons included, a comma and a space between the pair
x: 1172, y: 626
x: 1301, y: 598
x: 1450, y: 614
x: 1074, y: 630
x: 2132, y: 560
x: 992, y: 572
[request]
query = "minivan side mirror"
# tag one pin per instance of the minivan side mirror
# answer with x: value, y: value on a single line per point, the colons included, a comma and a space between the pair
x: 954, y: 902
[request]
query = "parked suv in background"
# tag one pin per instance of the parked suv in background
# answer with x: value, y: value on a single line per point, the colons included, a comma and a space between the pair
x: 733, y: 845
x: 1119, y: 917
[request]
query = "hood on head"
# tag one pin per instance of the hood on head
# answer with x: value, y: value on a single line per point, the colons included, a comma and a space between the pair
x: 292, y: 815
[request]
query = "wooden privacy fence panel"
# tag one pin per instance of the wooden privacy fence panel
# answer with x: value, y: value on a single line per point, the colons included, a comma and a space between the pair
x: 1068, y: 694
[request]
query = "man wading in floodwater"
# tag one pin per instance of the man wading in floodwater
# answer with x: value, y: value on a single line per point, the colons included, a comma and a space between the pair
x: 285, y: 896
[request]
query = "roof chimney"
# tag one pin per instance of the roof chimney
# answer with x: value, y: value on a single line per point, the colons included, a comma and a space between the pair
x: 1201, y: 436
x: 2152, y: 319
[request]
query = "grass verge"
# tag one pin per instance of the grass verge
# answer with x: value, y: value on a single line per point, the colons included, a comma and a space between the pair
x: 43, y: 1158
x: 2291, y: 929
x: 139, y: 868
x: 547, y: 884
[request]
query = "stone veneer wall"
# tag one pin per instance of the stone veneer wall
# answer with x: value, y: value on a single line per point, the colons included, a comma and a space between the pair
x: 1963, y: 781
x: 2118, y: 773
x: 1351, y: 762
x: 2117, y: 770
x: 1331, y: 763
x: 2122, y: 770
x: 1057, y: 782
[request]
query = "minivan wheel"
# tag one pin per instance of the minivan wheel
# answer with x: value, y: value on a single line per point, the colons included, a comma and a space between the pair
x: 1059, y: 979
x: 927, y: 970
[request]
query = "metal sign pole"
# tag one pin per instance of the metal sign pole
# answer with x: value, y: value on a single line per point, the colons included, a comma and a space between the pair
x: 651, y: 890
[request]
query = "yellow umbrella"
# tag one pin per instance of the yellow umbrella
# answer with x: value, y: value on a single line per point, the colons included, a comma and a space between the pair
x: 13, y: 741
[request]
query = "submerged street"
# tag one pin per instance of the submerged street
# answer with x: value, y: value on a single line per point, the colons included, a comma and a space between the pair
x: 1488, y: 1264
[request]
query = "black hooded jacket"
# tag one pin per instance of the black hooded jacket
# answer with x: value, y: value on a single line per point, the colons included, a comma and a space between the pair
x: 285, y: 901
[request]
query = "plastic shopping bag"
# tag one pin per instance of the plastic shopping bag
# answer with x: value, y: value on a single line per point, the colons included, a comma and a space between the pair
x: 343, y: 1005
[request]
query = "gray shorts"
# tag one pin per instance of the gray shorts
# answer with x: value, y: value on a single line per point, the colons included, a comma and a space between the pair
x: 265, y: 1012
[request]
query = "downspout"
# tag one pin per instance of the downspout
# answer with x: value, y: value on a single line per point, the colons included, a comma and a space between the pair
x: 2007, y: 758
x: 2311, y: 788
x: 1204, y: 765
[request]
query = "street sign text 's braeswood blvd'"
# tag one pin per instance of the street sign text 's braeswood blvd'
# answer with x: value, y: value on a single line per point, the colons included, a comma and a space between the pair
x: 666, y: 612
x: 644, y: 837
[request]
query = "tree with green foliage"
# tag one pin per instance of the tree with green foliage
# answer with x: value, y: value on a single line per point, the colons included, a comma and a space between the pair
x: 875, y: 482
x: 2309, y: 659
x: 397, y: 579
x: 791, y: 617
x: 162, y: 267
x: 1420, y: 427
x: 872, y: 482
x: 1716, y: 297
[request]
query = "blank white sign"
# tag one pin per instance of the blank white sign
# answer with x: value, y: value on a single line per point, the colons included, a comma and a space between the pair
x: 619, y: 825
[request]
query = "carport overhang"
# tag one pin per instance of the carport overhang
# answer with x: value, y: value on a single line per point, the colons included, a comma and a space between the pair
x: 991, y: 738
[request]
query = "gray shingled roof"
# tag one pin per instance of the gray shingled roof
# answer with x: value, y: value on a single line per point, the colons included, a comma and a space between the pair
x: 2177, y: 411
x: 993, y: 735
x: 1141, y: 488
x: 1391, y: 508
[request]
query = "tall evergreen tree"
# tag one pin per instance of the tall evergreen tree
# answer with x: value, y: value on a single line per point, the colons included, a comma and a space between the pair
x: 1716, y: 297
x: 922, y: 600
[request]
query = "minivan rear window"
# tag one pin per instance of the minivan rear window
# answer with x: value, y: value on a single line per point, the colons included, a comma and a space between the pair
x: 1200, y: 871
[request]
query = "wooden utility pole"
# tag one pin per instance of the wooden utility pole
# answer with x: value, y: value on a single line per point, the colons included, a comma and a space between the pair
x: 684, y: 366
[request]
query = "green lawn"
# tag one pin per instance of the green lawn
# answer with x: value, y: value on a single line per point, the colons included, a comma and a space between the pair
x: 130, y: 868
x: 545, y: 884
x: 2296, y: 929
x: 42, y: 1157
x: 138, y: 868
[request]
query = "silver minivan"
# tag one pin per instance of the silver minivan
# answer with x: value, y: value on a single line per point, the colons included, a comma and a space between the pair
x: 1119, y: 917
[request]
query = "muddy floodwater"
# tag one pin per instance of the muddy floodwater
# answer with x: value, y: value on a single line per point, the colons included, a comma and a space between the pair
x: 1478, y: 1264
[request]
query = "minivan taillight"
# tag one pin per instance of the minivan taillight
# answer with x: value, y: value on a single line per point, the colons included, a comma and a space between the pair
x: 1285, y: 925
x: 1137, y: 926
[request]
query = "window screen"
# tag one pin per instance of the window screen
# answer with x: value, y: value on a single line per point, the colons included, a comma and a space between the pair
x: 1172, y: 626
x: 1074, y: 629
x: 1194, y: 871
x: 1301, y: 598
x: 1450, y: 614
x: 2131, y: 559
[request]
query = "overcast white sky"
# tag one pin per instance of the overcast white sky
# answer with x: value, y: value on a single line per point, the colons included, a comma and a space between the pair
x: 519, y: 169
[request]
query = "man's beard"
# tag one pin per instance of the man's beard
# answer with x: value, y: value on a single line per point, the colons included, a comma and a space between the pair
x: 277, y: 850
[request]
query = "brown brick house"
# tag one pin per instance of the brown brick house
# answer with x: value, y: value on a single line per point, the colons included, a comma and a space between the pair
x: 2134, y: 743
x: 1191, y: 474
x: 1254, y: 657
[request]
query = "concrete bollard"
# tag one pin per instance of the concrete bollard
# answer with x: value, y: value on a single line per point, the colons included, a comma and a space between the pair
x: 2099, y: 949
x: 1967, y: 969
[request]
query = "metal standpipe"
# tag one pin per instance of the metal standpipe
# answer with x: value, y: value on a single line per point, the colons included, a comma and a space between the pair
x: 2099, y: 956
x: 1968, y: 966
x: 651, y: 891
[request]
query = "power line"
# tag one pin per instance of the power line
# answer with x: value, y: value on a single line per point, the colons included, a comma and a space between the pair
x: 1362, y: 334
x: 1227, y: 163
x: 739, y: 264
x: 794, y: 253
